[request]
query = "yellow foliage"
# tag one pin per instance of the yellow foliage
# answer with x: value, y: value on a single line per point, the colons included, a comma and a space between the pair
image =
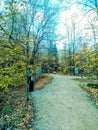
x: 53, y: 58
x: 96, y: 9
x: 12, y: 65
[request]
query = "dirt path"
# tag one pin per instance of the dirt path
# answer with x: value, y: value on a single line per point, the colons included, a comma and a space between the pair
x: 63, y: 105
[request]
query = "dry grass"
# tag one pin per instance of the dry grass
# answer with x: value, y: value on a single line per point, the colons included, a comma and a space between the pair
x: 93, y: 92
x: 42, y: 82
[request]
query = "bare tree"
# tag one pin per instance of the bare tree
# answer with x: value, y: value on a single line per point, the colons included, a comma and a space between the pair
x: 90, y: 5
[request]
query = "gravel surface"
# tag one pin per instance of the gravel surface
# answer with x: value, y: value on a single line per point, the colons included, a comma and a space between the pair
x: 63, y: 105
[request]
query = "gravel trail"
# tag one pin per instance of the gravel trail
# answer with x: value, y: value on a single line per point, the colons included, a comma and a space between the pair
x: 63, y: 105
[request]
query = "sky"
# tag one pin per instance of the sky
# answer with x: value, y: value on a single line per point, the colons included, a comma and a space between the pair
x: 76, y: 15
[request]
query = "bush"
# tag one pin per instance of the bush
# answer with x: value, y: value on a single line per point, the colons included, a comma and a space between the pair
x: 92, y: 85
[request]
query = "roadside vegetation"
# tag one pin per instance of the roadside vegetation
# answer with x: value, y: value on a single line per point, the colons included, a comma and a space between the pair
x: 93, y: 90
x: 89, y: 85
x: 15, y: 111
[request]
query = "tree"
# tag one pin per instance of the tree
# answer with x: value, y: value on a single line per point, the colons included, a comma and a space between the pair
x: 90, y: 5
x: 23, y: 37
x: 12, y: 45
x: 71, y: 46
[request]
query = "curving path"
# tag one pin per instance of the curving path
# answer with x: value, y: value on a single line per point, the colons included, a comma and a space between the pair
x: 63, y: 105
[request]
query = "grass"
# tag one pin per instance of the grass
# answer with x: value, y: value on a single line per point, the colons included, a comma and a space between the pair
x: 7, y: 109
x: 86, y: 79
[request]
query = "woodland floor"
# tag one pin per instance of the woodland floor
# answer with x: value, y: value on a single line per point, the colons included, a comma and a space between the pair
x: 16, y: 113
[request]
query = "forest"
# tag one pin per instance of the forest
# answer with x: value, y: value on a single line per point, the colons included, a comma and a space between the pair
x: 29, y: 38
x: 47, y: 36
